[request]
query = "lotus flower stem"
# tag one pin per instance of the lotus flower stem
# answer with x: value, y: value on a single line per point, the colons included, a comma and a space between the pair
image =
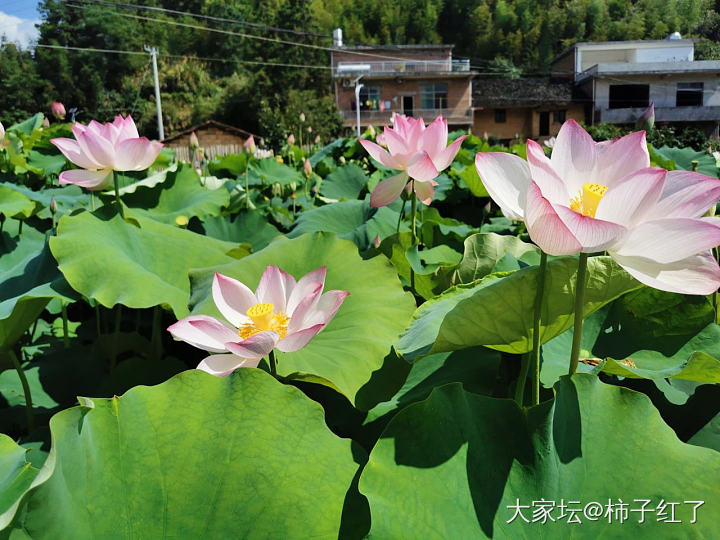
x: 522, y: 378
x: 117, y: 195
x: 26, y: 390
x: 247, y: 190
x: 402, y: 212
x: 273, y: 363
x: 536, y: 328
x: 92, y: 202
x: 715, y: 294
x: 413, y: 215
x: 579, y: 312
x: 66, y: 338
x: 20, y: 227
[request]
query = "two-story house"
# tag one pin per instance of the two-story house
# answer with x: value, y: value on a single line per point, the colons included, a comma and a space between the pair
x: 622, y: 78
x: 415, y: 80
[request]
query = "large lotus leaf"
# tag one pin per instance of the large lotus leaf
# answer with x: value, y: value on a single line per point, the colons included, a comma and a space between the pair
x: 16, y: 475
x: 67, y: 199
x: 484, y: 251
x: 648, y: 334
x: 351, y: 220
x: 498, y: 311
x: 15, y: 204
x: 46, y: 162
x: 149, y: 182
x: 231, y: 164
x: 29, y: 278
x: 455, y: 465
x: 326, y: 151
x: 248, y: 227
x: 683, y: 158
x: 469, y: 174
x: 357, y: 340
x: 181, y: 194
x: 195, y: 457
x: 708, y: 436
x: 271, y: 172
x: 345, y: 182
x: 111, y: 261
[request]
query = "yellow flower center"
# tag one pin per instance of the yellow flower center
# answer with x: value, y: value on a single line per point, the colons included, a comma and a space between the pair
x: 587, y: 201
x: 264, y: 319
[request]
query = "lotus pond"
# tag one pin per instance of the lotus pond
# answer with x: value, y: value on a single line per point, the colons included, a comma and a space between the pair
x: 363, y: 338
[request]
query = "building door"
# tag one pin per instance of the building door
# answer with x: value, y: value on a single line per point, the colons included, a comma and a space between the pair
x: 407, y: 105
x: 544, y: 123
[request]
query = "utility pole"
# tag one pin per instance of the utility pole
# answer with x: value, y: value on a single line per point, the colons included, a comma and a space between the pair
x: 358, y: 86
x: 158, y: 105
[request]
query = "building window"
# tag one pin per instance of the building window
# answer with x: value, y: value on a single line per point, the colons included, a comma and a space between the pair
x: 689, y: 94
x: 434, y: 96
x: 370, y: 98
x: 559, y: 116
x: 544, y: 123
x: 625, y: 96
x: 500, y: 116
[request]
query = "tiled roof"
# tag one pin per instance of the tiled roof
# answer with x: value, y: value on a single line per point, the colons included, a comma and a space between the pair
x: 498, y: 92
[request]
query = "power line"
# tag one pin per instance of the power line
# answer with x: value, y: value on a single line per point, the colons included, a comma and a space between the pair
x: 178, y: 56
x: 205, y: 17
x: 250, y: 36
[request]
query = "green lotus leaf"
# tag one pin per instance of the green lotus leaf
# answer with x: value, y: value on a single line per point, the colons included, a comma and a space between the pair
x: 180, y: 194
x: 351, y: 220
x: 114, y: 262
x: 456, y: 465
x: 16, y: 475
x: 195, y: 457
x: 497, y: 312
x: 345, y: 182
x: 354, y: 344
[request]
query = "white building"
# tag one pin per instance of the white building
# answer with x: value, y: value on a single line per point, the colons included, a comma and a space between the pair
x: 619, y: 79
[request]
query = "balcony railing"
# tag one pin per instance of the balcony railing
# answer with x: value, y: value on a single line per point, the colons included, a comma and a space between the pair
x: 662, y: 114
x: 396, y: 67
x: 458, y: 115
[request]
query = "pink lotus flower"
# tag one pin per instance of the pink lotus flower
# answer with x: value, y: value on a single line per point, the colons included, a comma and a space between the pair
x: 591, y: 197
x: 58, y: 110
x: 101, y: 149
x: 291, y: 139
x: 419, y: 152
x: 282, y: 314
x: 307, y: 168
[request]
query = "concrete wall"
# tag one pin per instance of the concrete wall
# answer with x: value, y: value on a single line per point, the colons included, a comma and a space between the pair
x: 660, y: 52
x: 380, y: 54
x: 663, y: 88
x: 522, y: 122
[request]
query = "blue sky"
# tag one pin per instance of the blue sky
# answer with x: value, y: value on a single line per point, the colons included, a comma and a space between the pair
x: 17, y: 20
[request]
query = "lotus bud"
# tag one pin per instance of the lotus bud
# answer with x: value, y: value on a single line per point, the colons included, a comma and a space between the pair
x: 485, y: 135
x: 276, y: 189
x: 307, y: 168
x: 309, y: 129
x: 317, y: 139
x: 302, y: 117
x: 46, y: 122
x: 53, y: 205
x: 291, y: 139
x: 249, y: 145
x: 376, y: 242
x: 194, y: 143
x: 293, y: 186
x: 647, y: 120
x: 371, y: 131
x: 342, y: 160
x: 58, y: 110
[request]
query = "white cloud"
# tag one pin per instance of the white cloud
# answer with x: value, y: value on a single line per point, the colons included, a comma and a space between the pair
x: 19, y: 30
